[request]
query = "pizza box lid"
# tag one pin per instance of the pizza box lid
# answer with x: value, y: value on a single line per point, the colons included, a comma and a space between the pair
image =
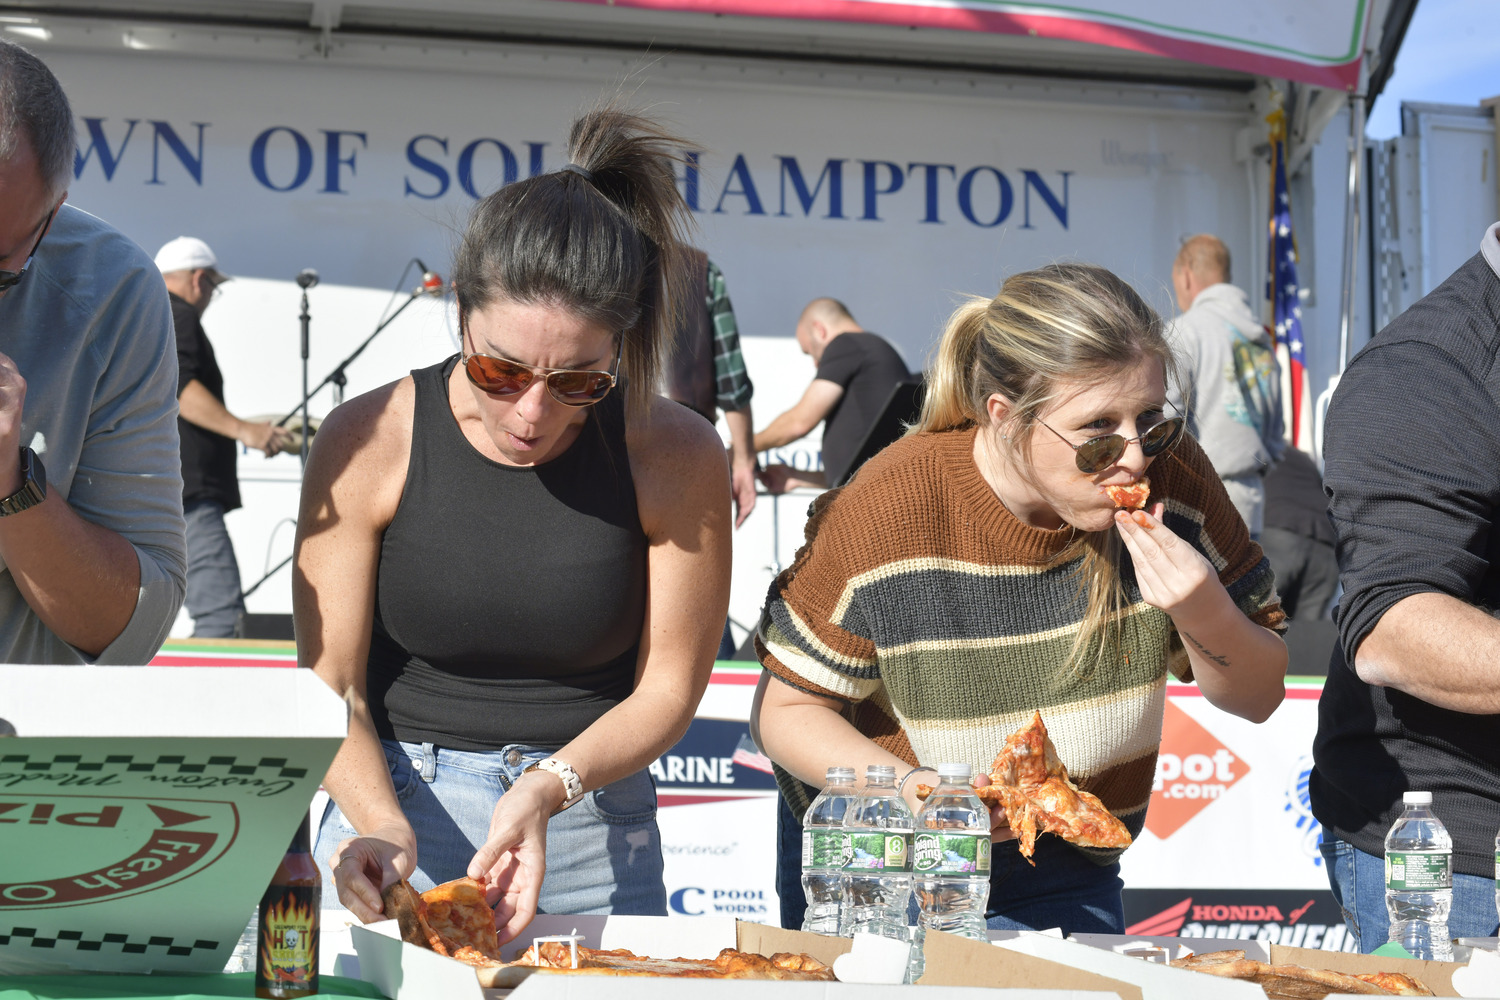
x: 144, y: 809
x: 405, y: 972
x: 1154, y: 981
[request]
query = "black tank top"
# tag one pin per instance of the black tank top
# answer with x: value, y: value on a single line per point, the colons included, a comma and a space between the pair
x: 509, y: 600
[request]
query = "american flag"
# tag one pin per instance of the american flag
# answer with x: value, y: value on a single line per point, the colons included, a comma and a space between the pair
x: 749, y: 755
x: 1281, y: 290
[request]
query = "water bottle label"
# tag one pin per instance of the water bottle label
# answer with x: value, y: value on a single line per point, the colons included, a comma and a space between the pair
x: 1418, y: 871
x: 824, y: 850
x: 956, y: 853
x: 879, y: 850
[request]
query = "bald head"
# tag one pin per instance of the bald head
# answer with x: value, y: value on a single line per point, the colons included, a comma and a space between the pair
x: 1203, y: 260
x: 823, y: 319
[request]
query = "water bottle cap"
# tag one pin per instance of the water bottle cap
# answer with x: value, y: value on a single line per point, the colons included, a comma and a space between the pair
x: 1417, y: 799
x: 840, y: 774
x: 882, y: 772
x: 955, y: 772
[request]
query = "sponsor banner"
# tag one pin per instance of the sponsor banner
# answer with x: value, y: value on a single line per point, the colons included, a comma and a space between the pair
x: 1301, y: 919
x: 720, y: 858
x: 1229, y: 808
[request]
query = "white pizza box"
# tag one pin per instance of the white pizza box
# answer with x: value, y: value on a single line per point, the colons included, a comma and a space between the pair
x: 1437, y: 975
x: 1154, y: 981
x: 143, y: 810
x: 405, y: 972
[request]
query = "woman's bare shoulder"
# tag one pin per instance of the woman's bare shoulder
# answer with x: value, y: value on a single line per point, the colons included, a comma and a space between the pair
x: 678, y: 461
x: 364, y: 444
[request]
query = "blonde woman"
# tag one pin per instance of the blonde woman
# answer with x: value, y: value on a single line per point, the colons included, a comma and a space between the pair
x: 977, y: 571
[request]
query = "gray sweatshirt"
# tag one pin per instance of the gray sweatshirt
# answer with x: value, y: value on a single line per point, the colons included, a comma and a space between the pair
x: 90, y: 330
x: 1229, y: 377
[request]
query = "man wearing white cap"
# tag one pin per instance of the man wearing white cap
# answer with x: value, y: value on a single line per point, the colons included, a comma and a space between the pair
x: 210, y: 482
x: 90, y: 485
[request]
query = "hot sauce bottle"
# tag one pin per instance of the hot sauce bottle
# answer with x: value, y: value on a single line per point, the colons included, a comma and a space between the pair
x: 287, y: 964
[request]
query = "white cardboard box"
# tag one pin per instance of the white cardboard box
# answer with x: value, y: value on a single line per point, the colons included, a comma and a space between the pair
x: 143, y: 810
x: 406, y: 972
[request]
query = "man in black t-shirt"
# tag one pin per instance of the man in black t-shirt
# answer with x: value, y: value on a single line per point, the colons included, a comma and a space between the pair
x: 856, y: 372
x: 210, y: 483
x: 1412, y: 701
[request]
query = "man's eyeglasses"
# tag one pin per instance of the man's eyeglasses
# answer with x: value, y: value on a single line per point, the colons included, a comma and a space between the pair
x: 1099, y: 453
x: 569, y: 386
x: 10, y: 279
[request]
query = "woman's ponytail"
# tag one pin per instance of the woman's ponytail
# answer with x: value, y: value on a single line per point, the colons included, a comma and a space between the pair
x: 950, y: 388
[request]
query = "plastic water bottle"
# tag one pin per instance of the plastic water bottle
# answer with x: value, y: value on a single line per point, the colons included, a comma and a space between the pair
x: 877, y: 876
x: 824, y: 851
x: 951, y: 856
x: 1419, y: 880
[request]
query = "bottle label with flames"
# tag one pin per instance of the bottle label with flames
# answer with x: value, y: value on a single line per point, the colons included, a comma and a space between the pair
x: 288, y: 963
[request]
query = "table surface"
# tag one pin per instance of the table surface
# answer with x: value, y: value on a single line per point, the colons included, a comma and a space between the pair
x: 116, y: 987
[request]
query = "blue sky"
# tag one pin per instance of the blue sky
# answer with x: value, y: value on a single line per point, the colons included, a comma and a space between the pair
x: 1451, y: 55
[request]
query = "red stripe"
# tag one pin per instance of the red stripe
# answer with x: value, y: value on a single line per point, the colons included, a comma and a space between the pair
x: 189, y: 660
x: 1292, y: 693
x: 727, y: 677
x: 664, y: 799
x: 1343, y: 76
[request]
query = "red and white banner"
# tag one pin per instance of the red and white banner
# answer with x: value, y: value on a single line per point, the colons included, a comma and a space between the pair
x: 1312, y: 41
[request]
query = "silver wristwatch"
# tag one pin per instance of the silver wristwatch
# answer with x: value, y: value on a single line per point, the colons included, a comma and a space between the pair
x: 33, y: 485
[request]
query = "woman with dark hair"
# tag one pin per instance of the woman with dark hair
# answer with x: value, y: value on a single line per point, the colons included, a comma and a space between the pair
x: 977, y: 571
x: 514, y: 564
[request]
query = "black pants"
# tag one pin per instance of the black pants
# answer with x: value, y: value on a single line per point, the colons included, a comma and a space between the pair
x: 1307, y: 572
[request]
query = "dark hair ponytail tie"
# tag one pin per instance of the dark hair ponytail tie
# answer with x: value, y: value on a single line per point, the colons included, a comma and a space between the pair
x: 574, y: 168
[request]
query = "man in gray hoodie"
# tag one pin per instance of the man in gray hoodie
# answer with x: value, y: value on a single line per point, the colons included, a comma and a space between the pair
x: 1229, y: 383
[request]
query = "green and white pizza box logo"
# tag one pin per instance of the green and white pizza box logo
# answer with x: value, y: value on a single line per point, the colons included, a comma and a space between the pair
x: 148, y: 848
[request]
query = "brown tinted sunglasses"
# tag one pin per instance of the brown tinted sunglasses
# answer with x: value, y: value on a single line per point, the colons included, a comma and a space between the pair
x: 569, y: 386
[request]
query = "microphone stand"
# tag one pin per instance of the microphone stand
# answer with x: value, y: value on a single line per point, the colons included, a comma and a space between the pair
x: 306, y: 319
x: 338, y: 380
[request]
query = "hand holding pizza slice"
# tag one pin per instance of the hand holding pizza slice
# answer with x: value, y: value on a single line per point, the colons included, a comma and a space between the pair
x: 1030, y: 781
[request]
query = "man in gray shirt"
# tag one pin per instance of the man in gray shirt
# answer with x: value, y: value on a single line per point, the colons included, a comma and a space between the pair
x: 92, y: 559
x: 1229, y: 380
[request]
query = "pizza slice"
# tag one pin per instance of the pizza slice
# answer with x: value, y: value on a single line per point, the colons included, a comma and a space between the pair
x: 1130, y: 496
x: 457, y: 911
x: 1296, y: 982
x: 1030, y: 781
x: 403, y: 903
x: 557, y: 958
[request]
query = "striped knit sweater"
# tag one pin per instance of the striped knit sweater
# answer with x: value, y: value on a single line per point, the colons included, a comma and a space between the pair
x: 945, y: 622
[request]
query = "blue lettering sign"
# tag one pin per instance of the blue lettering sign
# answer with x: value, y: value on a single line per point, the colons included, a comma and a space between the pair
x: 966, y: 199
x: 930, y: 186
x: 689, y: 179
x: 336, y: 159
x: 746, y: 189
x: 535, y: 151
x: 873, y: 188
x: 833, y: 171
x: 108, y: 158
x: 509, y: 167
x: 304, y: 158
x: 679, y: 901
x: 427, y: 166
x: 1059, y: 208
x: 163, y: 132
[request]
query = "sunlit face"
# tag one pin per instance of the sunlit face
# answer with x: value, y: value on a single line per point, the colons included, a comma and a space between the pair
x: 1049, y: 490
x: 531, y: 427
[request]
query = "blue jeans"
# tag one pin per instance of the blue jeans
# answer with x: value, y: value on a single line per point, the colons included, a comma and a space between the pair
x: 1358, y: 882
x: 603, y: 855
x: 213, y: 576
x: 1065, y: 889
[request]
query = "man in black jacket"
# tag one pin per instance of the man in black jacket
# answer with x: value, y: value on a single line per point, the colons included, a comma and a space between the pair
x: 1412, y: 701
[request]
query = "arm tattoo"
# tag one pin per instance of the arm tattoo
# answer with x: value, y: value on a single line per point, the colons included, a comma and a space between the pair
x: 1222, y: 661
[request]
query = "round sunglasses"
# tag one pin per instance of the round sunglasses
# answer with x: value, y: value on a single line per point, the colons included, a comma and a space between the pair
x: 569, y: 386
x: 1099, y: 453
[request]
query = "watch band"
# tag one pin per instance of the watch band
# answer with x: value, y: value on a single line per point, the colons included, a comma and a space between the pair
x: 572, y: 783
x: 33, y: 485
